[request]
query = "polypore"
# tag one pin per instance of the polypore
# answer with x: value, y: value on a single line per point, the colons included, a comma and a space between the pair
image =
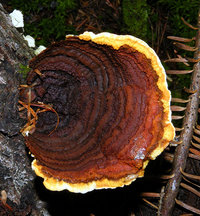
x: 111, y: 96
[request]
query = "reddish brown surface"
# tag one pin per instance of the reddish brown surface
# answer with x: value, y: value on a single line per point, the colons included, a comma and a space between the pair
x: 108, y: 105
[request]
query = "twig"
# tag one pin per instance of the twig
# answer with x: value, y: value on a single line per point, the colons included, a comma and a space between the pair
x: 196, y: 139
x: 182, y: 150
x: 150, y: 194
x: 179, y: 100
x: 179, y: 71
x: 194, y: 156
x: 151, y: 204
x: 177, y: 117
x: 185, y: 47
x: 177, y: 108
x: 192, y: 183
x: 196, y: 145
x: 191, y: 189
x: 194, y: 151
x: 178, y: 129
x: 181, y: 39
x: 177, y: 60
x: 188, y: 207
x: 197, y: 131
x: 188, y: 24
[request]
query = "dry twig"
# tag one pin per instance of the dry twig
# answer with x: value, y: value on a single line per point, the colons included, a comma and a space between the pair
x: 182, y: 150
x: 188, y: 207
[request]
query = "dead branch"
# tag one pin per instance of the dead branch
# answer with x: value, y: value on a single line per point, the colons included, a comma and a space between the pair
x: 182, y: 150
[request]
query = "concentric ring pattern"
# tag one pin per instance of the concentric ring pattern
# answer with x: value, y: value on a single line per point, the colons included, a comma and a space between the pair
x: 113, y: 116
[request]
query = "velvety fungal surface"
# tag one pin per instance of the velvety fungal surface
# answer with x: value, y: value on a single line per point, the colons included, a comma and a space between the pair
x: 112, y: 100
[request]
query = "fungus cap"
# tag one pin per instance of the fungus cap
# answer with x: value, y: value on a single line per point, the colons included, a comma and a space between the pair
x: 111, y: 95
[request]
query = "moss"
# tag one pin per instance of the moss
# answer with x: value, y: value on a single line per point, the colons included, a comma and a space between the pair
x: 135, y: 17
x: 188, y: 9
x: 23, y: 70
x: 143, y: 18
x: 46, y: 19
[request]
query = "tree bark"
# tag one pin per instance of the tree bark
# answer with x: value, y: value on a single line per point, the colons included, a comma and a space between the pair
x: 16, y: 176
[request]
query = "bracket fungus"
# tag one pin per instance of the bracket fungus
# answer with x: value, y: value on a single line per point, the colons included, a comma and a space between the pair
x: 110, y: 95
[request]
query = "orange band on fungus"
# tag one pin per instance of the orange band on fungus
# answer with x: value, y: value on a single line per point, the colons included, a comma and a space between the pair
x: 111, y: 96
